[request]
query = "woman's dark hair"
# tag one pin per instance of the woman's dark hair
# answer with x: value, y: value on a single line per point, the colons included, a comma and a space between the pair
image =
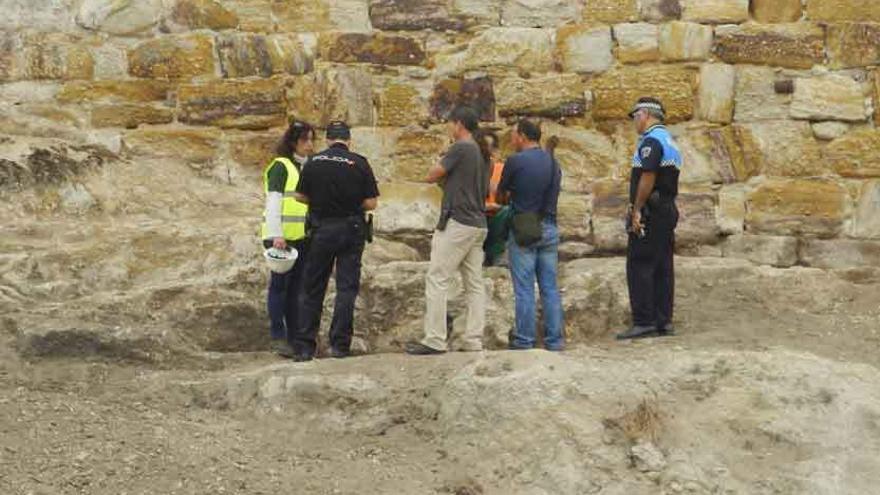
x: 470, y: 120
x: 297, y: 130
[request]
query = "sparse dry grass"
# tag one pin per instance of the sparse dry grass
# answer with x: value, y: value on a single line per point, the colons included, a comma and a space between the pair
x: 642, y: 423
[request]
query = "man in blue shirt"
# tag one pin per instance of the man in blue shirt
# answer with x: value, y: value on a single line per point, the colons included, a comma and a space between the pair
x: 532, y: 179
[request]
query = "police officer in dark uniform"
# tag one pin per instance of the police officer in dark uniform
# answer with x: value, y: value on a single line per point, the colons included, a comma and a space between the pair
x: 651, y: 223
x: 339, y: 187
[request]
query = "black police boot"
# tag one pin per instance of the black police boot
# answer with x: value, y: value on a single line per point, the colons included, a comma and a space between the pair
x: 302, y: 358
x: 339, y: 353
x: 419, y: 349
x: 637, y: 332
x: 666, y: 330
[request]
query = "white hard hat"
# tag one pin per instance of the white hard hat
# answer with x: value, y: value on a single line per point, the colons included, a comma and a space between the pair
x: 280, y: 260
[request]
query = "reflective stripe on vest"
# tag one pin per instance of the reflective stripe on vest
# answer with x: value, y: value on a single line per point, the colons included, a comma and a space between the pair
x: 293, y: 213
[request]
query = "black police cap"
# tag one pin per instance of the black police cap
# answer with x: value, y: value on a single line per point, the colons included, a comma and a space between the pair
x: 338, y: 130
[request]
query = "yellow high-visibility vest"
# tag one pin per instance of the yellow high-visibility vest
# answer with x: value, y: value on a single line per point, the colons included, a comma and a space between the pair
x: 293, y: 213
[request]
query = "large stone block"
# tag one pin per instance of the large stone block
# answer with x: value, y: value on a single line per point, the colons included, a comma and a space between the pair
x: 831, y: 97
x: 203, y: 14
x: 732, y: 209
x: 253, y: 15
x: 614, y: 92
x: 839, y: 254
x: 38, y: 15
x: 611, y: 11
x: 778, y: 251
x: 717, y: 90
x: 130, y: 116
x: 768, y: 11
x: 756, y: 98
x: 843, y: 10
x: 660, y: 10
x: 10, y: 47
x: 784, y: 148
x: 196, y: 146
x: 123, y: 91
x: 414, y: 15
x: 853, y: 45
x: 876, y: 97
x: 408, y: 208
x: 797, y: 207
x: 698, y: 223
x: 540, y: 13
x: 245, y: 55
x: 573, y: 217
x: 866, y: 221
x: 715, y: 11
x: 416, y: 150
x: 173, y: 57
x: 401, y: 103
x: 711, y: 154
x: 584, y: 155
x: 610, y: 202
x: 558, y: 95
x: 253, y: 150
x: 54, y: 56
x: 526, y: 49
x: 121, y: 17
x: 584, y: 49
x: 377, y: 48
x: 829, y: 131
x: 798, y: 46
x: 684, y: 41
x: 477, y: 93
x: 308, y: 16
x: 332, y: 93
x: 637, y: 42
x: 255, y: 104
x: 856, y: 154
x: 482, y: 12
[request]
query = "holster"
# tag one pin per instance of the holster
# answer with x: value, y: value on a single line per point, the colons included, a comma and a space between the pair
x: 368, y: 228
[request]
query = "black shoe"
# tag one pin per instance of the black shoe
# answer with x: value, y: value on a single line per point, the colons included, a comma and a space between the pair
x: 419, y: 349
x: 666, y: 330
x: 339, y: 354
x: 302, y: 358
x: 638, y: 332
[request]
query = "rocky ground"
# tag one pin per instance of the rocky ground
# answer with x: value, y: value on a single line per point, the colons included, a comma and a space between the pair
x: 132, y: 361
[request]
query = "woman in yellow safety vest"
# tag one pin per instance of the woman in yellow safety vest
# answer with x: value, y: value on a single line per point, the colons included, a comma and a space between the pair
x: 284, y: 226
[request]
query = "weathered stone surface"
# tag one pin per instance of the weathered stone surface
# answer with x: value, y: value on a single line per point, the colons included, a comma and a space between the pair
x: 853, y: 45
x: 698, y: 223
x: 244, y: 55
x: 191, y: 145
x: 126, y: 91
x: 377, y: 48
x: 716, y: 96
x: 173, y: 57
x: 768, y: 11
x: 843, y: 10
x: 203, y: 14
x: 110, y: 60
x: 558, y: 95
x: 38, y: 15
x: 611, y: 11
x: 573, y: 217
x: 839, y: 254
x: 256, y: 104
x: 416, y: 150
x: 831, y: 97
x: 53, y: 56
x: 866, y: 220
x: 527, y: 49
x: 540, y: 13
x: 784, y: 148
x: 584, y: 155
x: 413, y: 15
x: 252, y: 150
x: 829, y: 131
x: 340, y: 92
x: 610, y: 200
x: 615, y: 91
x: 10, y: 46
x: 855, y: 155
x: 637, y: 42
x: 798, y: 46
x: 406, y: 208
x: 755, y: 97
x: 683, y: 41
x: 660, y: 10
x: 308, y: 16
x: 130, y: 116
x: 778, y: 251
x: 715, y: 11
x: 877, y: 97
x: 705, y: 153
x: 732, y: 209
x: 122, y: 17
x: 485, y: 12
x: 584, y: 49
x: 400, y: 104
x: 477, y: 93
x: 253, y: 15
x: 797, y: 207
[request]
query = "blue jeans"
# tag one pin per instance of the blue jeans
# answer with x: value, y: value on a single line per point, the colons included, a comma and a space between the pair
x: 527, y: 263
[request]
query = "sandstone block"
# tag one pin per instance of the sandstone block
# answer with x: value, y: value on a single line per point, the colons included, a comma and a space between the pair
x: 253, y: 15
x: 660, y: 10
x: 341, y: 92
x: 778, y: 251
x: 797, y: 207
x: 485, y: 12
x: 121, y: 17
x: 584, y: 155
x: 309, y: 16
x: 768, y: 11
x: 829, y: 131
x: 611, y: 11
x: 195, y: 146
x: 139, y: 91
x: 831, y: 97
x: 705, y: 157
x: 715, y: 11
x: 130, y: 116
x: 573, y: 217
x: 843, y: 10
x: 377, y: 144
x: 173, y: 57
x: 558, y: 95
x: 798, y: 46
x: 784, y: 148
x: 540, y: 13
x: 401, y: 104
x: 408, y: 208
x: 416, y: 150
x: 256, y: 104
x: 527, y: 49
x: 610, y: 201
x: 698, y: 223
x: 203, y: 14
x: 477, y: 93
x: 853, y: 45
x: 732, y: 209
x: 414, y: 15
x: 54, y: 56
x: 716, y: 96
x: 866, y: 221
x: 856, y: 154
x: 252, y: 150
x: 683, y: 41
x: 755, y: 97
x: 584, y: 49
x: 38, y: 15
x: 637, y: 42
x: 10, y: 47
x: 615, y: 91
x: 378, y: 48
x: 877, y: 97
x: 245, y: 55
x: 840, y: 254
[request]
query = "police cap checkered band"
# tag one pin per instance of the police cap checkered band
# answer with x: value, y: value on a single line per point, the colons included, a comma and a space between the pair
x: 645, y: 105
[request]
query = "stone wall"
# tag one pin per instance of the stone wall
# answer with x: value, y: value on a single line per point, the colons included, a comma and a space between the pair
x: 774, y: 102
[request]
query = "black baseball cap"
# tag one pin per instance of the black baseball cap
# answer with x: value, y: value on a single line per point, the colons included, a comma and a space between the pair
x: 338, y: 130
